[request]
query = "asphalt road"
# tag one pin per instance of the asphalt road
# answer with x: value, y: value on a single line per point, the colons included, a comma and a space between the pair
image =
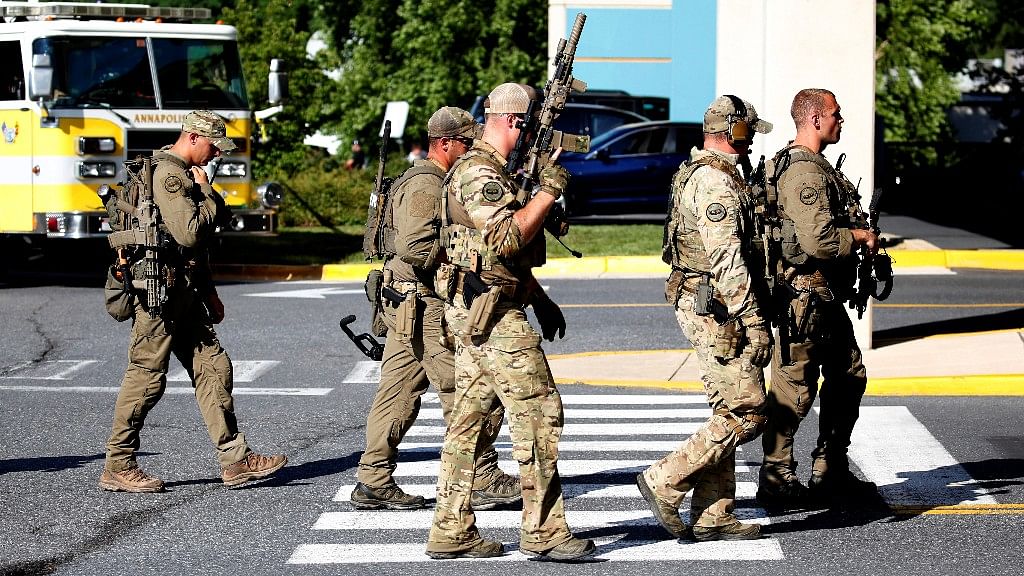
x: 62, y: 359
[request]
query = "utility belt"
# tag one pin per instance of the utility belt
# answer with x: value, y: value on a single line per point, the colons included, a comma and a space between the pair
x: 459, y: 285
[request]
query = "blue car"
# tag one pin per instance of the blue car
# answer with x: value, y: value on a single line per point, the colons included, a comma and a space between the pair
x: 629, y: 168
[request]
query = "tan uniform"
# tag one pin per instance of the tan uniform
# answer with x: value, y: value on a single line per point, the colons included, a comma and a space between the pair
x: 501, y: 360
x: 713, y: 208
x: 414, y: 360
x: 816, y: 336
x: 183, y: 328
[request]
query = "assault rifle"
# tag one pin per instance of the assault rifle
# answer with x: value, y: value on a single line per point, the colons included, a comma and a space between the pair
x: 373, y: 237
x: 156, y: 293
x: 538, y: 140
x: 871, y: 270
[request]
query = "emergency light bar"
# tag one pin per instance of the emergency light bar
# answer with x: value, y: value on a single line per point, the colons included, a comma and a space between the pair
x: 86, y: 10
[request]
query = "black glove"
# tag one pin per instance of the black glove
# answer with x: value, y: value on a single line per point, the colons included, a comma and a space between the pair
x: 549, y: 315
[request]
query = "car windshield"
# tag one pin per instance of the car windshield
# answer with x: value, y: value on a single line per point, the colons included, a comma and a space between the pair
x: 116, y: 72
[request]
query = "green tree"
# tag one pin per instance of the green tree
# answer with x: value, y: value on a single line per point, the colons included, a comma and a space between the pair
x: 430, y: 53
x: 919, y: 45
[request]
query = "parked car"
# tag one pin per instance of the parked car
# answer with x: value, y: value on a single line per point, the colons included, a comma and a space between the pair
x: 629, y: 168
x: 651, y: 107
x: 586, y: 119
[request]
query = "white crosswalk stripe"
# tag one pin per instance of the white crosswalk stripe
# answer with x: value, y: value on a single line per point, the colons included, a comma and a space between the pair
x: 606, y: 441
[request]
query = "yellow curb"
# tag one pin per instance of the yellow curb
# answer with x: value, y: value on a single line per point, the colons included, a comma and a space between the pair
x: 652, y: 265
x: 347, y: 272
x: 960, y: 509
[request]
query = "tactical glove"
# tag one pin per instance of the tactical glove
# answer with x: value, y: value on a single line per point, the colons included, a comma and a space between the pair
x: 553, y: 180
x: 549, y: 315
x: 760, y: 341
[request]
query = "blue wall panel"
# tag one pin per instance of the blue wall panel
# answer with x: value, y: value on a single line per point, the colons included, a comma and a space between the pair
x: 693, y: 58
x: 642, y: 79
x: 616, y: 33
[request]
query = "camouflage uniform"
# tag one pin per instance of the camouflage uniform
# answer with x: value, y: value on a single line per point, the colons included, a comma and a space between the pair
x: 504, y: 360
x: 183, y: 328
x: 819, y: 260
x: 413, y: 360
x: 715, y: 212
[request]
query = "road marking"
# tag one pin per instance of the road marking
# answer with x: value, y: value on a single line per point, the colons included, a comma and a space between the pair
x: 609, y: 548
x: 744, y: 490
x: 911, y: 468
x: 572, y: 414
x: 675, y: 429
x: 566, y: 468
x: 315, y: 293
x: 639, y: 399
x: 364, y: 372
x: 47, y: 369
x: 960, y: 509
x: 242, y: 370
x: 176, y: 390
x: 656, y: 446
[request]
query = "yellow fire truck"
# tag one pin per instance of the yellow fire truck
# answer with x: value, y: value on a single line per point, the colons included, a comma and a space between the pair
x: 83, y: 87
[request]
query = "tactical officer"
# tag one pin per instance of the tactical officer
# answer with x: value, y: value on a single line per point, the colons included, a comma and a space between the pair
x: 415, y: 352
x: 188, y: 207
x: 816, y: 337
x: 717, y: 294
x: 493, y: 239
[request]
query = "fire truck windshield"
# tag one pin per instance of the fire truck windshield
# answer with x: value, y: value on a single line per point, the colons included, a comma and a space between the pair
x: 116, y: 72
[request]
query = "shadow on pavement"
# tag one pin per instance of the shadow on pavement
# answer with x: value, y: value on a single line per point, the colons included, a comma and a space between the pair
x: 1010, y: 319
x: 47, y: 463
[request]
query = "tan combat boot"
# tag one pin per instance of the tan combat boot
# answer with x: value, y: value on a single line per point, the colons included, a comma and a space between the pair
x: 665, y: 513
x: 390, y: 497
x: 503, y: 491
x: 572, y: 549
x: 253, y: 467
x: 130, y: 480
x: 735, y: 531
x: 482, y: 549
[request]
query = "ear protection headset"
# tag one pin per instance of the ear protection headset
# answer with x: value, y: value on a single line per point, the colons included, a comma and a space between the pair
x: 739, y: 129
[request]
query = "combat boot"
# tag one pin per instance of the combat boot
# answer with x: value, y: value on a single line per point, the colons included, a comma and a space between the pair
x: 665, y: 513
x: 780, y: 489
x: 253, y: 467
x: 130, y: 480
x: 503, y: 491
x: 390, y: 497
x: 482, y: 549
x: 735, y: 531
x: 839, y: 487
x: 572, y: 549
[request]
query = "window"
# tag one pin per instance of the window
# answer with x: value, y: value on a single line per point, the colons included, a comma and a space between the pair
x: 12, y: 74
x: 99, y: 71
x: 199, y: 73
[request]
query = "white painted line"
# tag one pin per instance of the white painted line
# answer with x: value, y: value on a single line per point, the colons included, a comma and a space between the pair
x: 242, y: 370
x: 610, y: 414
x: 566, y: 468
x: 176, y: 390
x: 48, y: 369
x: 678, y: 430
x: 578, y: 519
x: 660, y: 447
x: 609, y: 548
x: 633, y: 399
x: 364, y: 372
x: 317, y: 293
x: 570, y: 491
x: 922, y: 271
x: 896, y: 452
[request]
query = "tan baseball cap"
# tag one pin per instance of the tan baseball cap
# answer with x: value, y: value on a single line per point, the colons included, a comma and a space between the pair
x: 450, y: 121
x: 209, y: 124
x: 510, y: 98
x: 716, y: 118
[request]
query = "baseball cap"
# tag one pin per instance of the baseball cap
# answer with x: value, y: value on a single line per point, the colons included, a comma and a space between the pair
x: 510, y: 98
x: 450, y: 121
x: 716, y: 118
x: 209, y: 124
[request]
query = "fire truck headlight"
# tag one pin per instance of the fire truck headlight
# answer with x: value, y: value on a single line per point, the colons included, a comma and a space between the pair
x: 88, y: 145
x: 97, y: 169
x: 232, y: 169
x: 270, y: 194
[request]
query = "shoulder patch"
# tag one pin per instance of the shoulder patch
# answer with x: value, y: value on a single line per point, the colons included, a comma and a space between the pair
x: 421, y: 204
x: 173, y: 184
x: 809, y: 195
x: 716, y: 212
x: 492, y: 192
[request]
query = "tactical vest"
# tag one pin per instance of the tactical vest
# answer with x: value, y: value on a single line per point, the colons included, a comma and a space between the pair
x: 464, y: 244
x: 682, y: 246
x: 838, y: 190
x: 385, y: 227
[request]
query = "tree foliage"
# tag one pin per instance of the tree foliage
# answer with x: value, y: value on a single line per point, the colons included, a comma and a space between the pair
x: 431, y: 53
x: 920, y: 44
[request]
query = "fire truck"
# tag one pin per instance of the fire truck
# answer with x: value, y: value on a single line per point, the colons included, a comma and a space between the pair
x: 84, y: 87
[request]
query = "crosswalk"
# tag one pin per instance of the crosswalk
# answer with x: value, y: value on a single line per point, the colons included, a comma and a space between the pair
x: 601, y: 451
